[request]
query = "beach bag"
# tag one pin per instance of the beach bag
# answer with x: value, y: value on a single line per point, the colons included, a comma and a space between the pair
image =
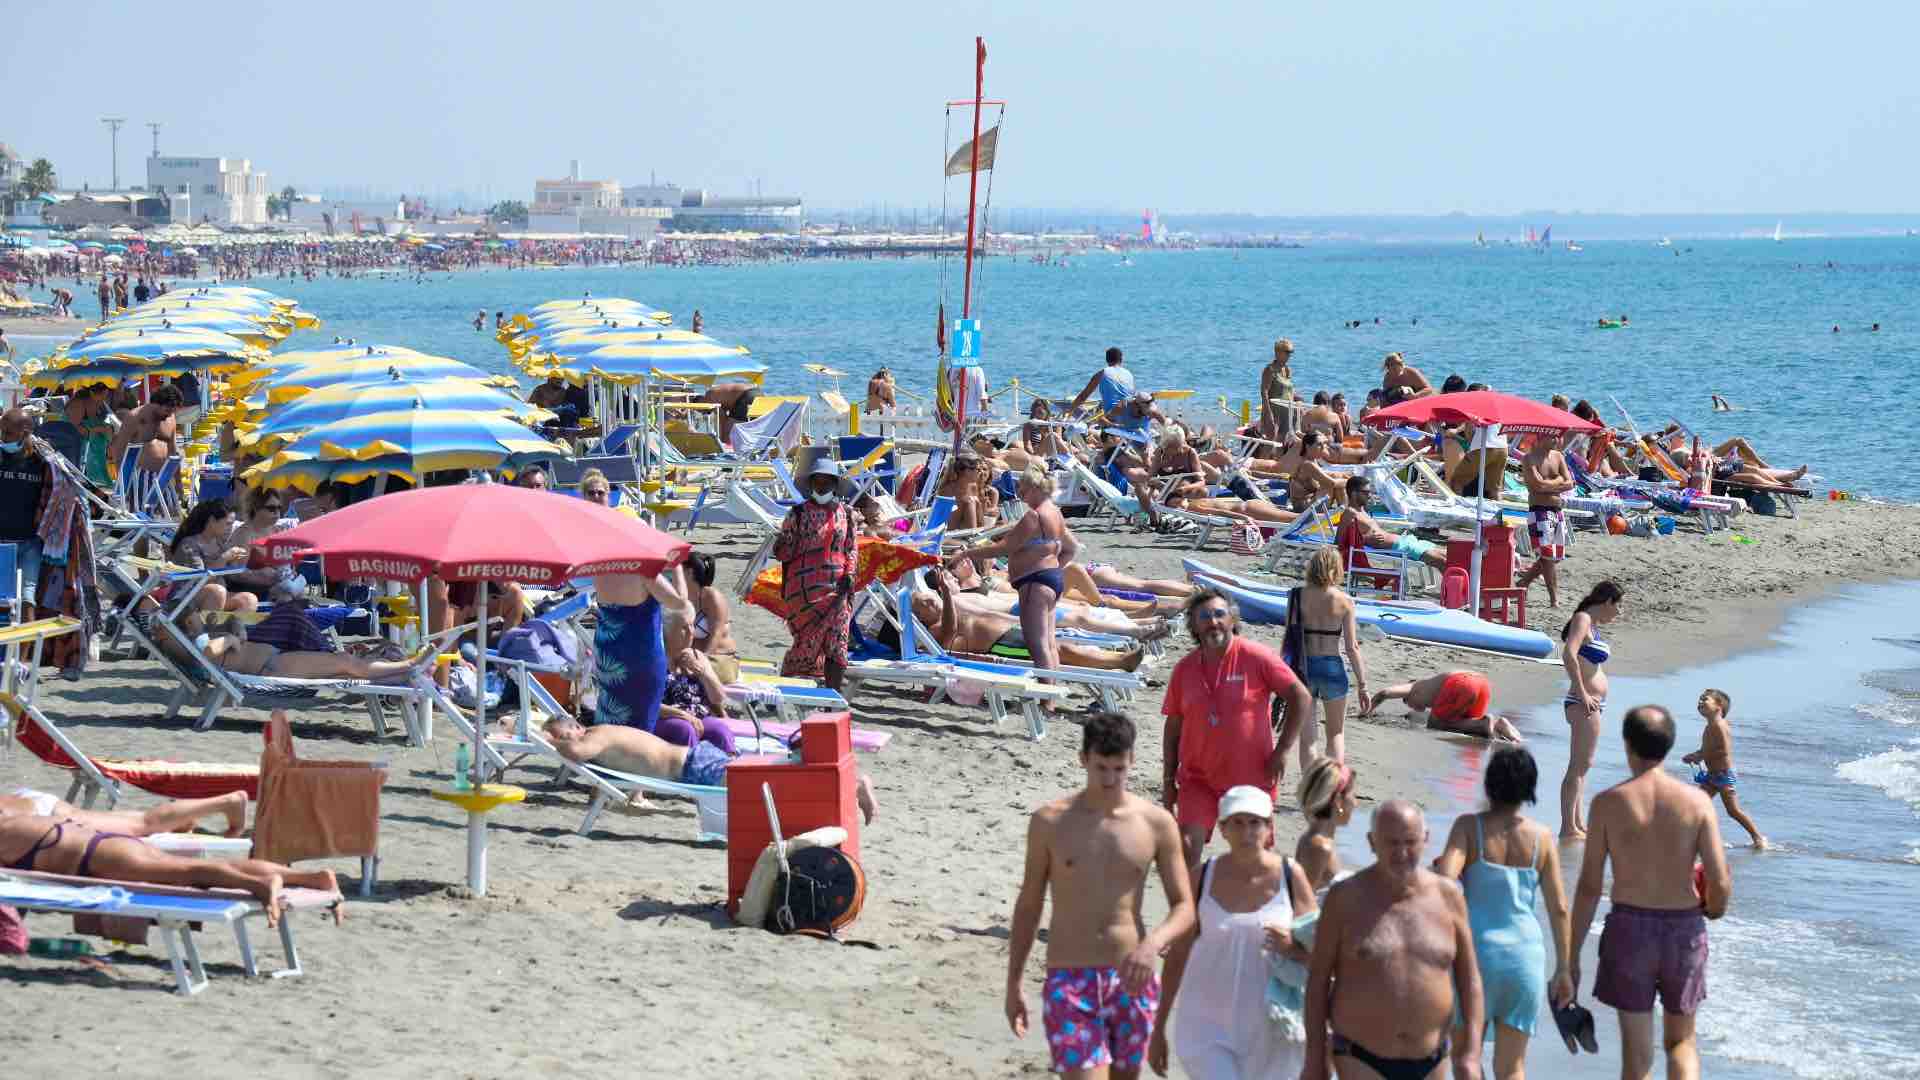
x: 1760, y: 502
x: 1293, y: 643
x: 538, y: 641
x: 13, y: 933
x: 1246, y: 539
x: 1238, y: 484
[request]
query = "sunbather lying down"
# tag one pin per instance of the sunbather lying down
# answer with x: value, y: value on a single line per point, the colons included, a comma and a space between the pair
x: 630, y: 750
x: 1454, y: 701
x: 994, y: 633
x: 68, y: 846
x: 1070, y: 613
x: 243, y: 657
x: 1084, y: 584
x: 178, y: 815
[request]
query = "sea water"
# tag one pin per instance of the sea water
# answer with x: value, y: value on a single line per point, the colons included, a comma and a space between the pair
x: 1751, y: 320
x: 1815, y: 970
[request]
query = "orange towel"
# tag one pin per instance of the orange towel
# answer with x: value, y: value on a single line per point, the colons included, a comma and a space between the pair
x: 314, y: 809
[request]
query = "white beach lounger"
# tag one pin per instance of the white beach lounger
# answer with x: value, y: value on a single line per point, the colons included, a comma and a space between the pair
x: 178, y: 912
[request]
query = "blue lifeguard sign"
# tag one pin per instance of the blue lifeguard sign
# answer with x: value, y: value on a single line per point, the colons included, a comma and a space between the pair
x: 964, y: 342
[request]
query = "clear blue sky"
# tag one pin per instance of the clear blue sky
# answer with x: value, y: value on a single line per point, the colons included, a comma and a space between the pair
x: 1489, y: 107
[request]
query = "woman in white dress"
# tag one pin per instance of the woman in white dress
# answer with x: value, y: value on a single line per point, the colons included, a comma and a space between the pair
x: 1248, y: 900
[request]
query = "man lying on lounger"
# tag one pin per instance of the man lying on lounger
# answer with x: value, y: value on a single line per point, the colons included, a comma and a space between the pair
x: 995, y: 633
x: 1454, y: 701
x: 56, y: 846
x: 630, y: 750
x: 177, y: 815
x: 1359, y: 491
x: 243, y: 657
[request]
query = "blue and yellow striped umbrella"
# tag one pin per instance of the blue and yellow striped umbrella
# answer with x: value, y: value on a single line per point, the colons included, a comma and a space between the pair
x: 408, y: 442
x: 298, y: 380
x: 234, y: 300
x: 258, y: 332
x: 335, y: 403
x: 628, y: 356
x: 110, y: 360
x: 523, y: 331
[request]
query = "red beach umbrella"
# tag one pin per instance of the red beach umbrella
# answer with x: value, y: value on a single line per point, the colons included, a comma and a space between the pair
x: 1482, y: 408
x: 479, y: 532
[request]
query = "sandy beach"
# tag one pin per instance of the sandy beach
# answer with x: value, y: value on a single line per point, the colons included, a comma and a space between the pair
x: 610, y: 952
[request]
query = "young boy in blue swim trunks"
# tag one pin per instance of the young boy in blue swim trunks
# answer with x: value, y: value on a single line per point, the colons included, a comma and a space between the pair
x: 1713, y: 762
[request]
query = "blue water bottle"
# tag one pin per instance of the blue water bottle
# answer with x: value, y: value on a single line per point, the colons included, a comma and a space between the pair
x: 461, y: 763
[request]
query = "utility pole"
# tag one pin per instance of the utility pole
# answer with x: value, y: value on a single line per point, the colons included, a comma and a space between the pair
x: 154, y: 126
x: 113, y: 124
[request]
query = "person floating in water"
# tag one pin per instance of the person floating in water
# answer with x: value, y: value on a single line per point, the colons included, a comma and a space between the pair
x: 1721, y: 404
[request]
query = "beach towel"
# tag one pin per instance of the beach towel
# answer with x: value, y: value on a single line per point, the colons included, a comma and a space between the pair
x: 13, y: 933
x: 314, y: 809
x: 1287, y: 982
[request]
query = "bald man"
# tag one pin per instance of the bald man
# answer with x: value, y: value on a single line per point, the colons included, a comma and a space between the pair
x: 1392, y: 955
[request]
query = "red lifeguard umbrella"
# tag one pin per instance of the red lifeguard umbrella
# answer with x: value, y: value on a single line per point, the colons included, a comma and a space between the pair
x: 1483, y: 409
x: 479, y: 533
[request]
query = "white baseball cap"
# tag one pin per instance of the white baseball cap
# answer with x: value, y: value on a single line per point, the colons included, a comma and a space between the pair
x: 1246, y: 799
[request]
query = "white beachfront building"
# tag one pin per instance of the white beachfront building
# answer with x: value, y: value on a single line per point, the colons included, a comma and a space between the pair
x: 224, y: 191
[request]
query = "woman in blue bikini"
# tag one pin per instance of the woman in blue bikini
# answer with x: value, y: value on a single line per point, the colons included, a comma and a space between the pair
x: 1584, y: 656
x: 1036, y: 548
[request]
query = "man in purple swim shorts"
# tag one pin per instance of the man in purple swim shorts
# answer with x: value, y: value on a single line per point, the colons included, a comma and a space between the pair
x: 1655, y: 829
x: 1093, y: 848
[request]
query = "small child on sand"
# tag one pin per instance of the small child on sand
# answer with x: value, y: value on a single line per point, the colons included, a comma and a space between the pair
x: 1713, y: 762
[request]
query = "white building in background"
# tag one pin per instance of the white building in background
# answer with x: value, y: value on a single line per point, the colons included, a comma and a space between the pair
x: 574, y: 194
x: 224, y: 191
x: 701, y: 211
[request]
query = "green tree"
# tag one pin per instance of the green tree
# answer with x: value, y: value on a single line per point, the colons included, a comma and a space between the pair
x: 511, y: 212
x: 37, y: 180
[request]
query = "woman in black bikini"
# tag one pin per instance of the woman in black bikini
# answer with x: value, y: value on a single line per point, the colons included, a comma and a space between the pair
x: 50, y: 845
x: 1037, y: 546
x: 1327, y: 618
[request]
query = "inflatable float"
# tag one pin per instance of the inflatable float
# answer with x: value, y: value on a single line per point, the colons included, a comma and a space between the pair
x: 1410, y: 620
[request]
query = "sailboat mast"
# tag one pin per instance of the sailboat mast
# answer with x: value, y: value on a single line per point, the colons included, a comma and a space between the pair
x: 973, y: 174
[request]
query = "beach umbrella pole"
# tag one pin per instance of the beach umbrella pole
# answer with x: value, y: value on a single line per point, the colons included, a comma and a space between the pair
x: 1479, y: 524
x: 477, y: 819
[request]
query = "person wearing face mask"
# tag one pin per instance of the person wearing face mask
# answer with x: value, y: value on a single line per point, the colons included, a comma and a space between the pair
x: 24, y: 487
x: 818, y: 552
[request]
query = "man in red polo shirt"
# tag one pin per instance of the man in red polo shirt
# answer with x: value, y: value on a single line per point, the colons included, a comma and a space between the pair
x: 1218, y: 729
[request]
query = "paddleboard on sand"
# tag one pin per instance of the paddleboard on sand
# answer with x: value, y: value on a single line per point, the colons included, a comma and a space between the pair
x: 1412, y: 620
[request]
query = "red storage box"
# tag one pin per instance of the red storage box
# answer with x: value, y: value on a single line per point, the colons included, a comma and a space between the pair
x: 815, y: 792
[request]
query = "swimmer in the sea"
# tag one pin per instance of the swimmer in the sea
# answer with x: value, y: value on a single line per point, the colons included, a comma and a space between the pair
x: 1721, y: 404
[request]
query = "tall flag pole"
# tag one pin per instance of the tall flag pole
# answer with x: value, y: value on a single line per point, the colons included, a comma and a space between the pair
x: 973, y: 201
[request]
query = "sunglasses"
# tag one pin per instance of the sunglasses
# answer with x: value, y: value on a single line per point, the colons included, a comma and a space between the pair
x: 595, y: 495
x: 1211, y: 614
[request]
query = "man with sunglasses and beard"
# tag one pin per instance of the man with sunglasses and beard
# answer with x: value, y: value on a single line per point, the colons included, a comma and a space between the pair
x: 1218, y: 732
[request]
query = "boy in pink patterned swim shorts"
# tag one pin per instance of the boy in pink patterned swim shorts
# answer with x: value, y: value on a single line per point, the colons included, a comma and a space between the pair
x: 1093, y: 849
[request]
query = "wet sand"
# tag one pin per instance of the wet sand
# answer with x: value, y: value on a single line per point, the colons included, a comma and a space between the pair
x: 610, y: 952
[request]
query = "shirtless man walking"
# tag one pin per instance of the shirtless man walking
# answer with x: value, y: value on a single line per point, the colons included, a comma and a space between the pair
x: 1544, y: 471
x: 1654, y: 828
x: 1393, y: 953
x: 1092, y: 849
